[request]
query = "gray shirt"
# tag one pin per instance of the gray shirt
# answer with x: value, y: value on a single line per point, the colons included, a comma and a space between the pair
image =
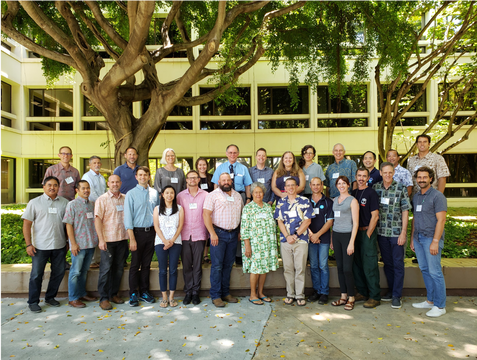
x: 425, y: 208
x: 342, y: 213
x: 263, y: 176
x: 48, y: 231
x: 314, y: 170
x: 97, y: 184
x: 174, y: 178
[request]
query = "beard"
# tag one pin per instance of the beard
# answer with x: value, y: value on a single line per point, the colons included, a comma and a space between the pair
x: 225, y: 188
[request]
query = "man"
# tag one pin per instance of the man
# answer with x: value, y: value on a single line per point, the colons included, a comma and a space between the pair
x: 401, y: 175
x: 293, y: 214
x: 426, y: 158
x: 46, y: 242
x: 341, y: 166
x: 369, y: 160
x: 79, y: 220
x: 138, y: 220
x: 194, y: 235
x: 392, y: 231
x: 97, y: 184
x: 67, y: 175
x: 127, y: 171
x: 263, y: 174
x: 365, y: 264
x: 319, y: 246
x: 427, y: 240
x: 112, y: 236
x: 222, y: 211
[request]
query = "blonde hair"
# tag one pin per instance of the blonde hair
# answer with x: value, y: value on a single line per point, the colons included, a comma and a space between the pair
x: 281, y: 168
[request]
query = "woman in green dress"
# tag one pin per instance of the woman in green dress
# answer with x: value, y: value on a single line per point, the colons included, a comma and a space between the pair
x: 259, y: 242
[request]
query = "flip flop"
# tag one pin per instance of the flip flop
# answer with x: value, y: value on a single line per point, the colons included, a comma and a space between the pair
x: 164, y: 303
x: 290, y: 299
x: 256, y: 301
x: 172, y: 303
x: 266, y: 299
x: 301, y: 302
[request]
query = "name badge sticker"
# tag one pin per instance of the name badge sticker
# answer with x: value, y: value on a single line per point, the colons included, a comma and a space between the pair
x: 261, y: 180
x: 286, y: 178
x: 232, y: 176
x: 89, y: 215
x: 230, y: 198
x: 239, y: 174
x: 69, y: 180
x: 336, y: 175
x: 204, y: 186
x: 174, y: 180
x: 193, y: 206
x: 292, y: 213
x: 261, y: 216
x: 337, y: 214
x: 385, y: 201
x: 307, y: 177
x: 419, y: 208
x: 120, y: 207
x: 169, y: 223
x: 316, y: 211
x: 52, y: 210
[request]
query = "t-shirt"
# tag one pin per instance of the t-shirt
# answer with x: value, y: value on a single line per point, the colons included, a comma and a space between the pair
x: 368, y: 201
x: 425, y: 208
x: 374, y: 177
x: 323, y: 211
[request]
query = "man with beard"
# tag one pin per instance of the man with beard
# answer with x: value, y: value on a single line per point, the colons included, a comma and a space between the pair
x: 222, y: 211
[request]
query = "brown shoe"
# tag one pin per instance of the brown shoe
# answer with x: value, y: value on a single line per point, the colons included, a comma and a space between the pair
x: 94, y: 266
x: 229, y: 298
x: 218, y: 303
x: 105, y: 305
x: 117, y: 300
x: 88, y: 298
x: 76, y: 304
x: 360, y: 297
x: 371, y: 303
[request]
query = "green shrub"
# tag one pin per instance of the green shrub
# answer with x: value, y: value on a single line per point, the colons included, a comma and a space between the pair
x: 13, y: 243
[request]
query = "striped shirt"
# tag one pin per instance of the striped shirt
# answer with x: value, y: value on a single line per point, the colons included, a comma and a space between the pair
x: 226, y: 210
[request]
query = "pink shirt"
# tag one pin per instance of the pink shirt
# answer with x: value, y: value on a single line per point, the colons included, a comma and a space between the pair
x: 226, y: 212
x: 68, y: 179
x: 194, y: 227
x: 110, y: 209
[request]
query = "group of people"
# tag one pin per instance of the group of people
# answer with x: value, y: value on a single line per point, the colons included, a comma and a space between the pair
x: 232, y: 211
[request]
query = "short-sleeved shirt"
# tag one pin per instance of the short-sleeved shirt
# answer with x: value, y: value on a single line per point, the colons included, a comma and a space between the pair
x: 206, y: 183
x: 435, y: 161
x: 226, y: 209
x: 425, y: 208
x: 139, y: 207
x: 80, y: 214
x: 128, y: 177
x: 97, y: 184
x: 374, y: 177
x: 109, y: 208
x: 402, y: 175
x: 194, y: 228
x: 368, y: 202
x: 68, y: 179
x: 263, y: 176
x: 164, y: 177
x: 293, y: 214
x: 392, y: 202
x: 314, y: 170
x: 241, y: 176
x: 323, y: 211
x: 168, y: 224
x: 48, y: 231
x: 344, y: 167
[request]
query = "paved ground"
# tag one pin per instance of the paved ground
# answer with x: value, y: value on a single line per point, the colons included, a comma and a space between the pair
x: 238, y: 331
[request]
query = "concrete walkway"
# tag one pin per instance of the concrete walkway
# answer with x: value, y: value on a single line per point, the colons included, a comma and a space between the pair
x: 238, y: 331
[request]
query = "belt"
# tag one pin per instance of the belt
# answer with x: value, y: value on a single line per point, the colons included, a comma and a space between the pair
x: 240, y: 192
x: 363, y: 228
x: 229, y: 231
x: 145, y: 229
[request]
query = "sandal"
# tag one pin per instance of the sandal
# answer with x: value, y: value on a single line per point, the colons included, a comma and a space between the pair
x: 266, y: 299
x: 349, y: 305
x: 172, y: 303
x: 164, y: 303
x: 301, y: 302
x: 289, y: 301
x: 256, y: 301
x: 339, y: 302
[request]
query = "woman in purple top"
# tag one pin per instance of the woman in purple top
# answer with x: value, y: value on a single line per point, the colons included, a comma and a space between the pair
x: 205, y: 184
x: 287, y: 168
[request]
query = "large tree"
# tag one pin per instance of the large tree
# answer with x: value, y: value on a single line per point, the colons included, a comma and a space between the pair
x: 70, y: 35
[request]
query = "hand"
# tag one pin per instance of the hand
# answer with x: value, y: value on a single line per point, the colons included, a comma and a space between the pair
x: 401, y: 239
x: 132, y: 245
x: 331, y: 245
x: 31, y: 251
x: 248, y: 251
x: 103, y: 246
x: 411, y: 245
x: 314, y: 238
x: 214, y: 239
x: 350, y: 249
x: 270, y: 202
x: 368, y: 234
x: 291, y: 239
x: 434, y: 248
x: 248, y: 200
x: 75, y: 249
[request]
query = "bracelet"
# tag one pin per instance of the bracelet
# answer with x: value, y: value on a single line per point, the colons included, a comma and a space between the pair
x: 29, y: 245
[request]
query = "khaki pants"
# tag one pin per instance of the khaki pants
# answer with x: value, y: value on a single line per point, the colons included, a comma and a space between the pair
x: 294, y: 264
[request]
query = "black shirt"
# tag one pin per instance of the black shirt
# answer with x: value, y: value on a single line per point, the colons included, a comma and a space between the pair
x: 368, y: 201
x: 323, y: 211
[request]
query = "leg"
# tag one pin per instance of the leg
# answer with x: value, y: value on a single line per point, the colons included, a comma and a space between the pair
x: 84, y: 271
x: 300, y: 256
x: 162, y: 256
x: 174, y: 254
x: 288, y: 268
x: 105, y: 273
x: 435, y: 271
x: 36, y: 276
x: 370, y: 266
x: 358, y: 263
x: 313, y: 251
x: 57, y: 259
x: 261, y: 284
x: 324, y: 251
x: 338, y: 246
x: 148, y: 252
x: 348, y: 268
x: 398, y: 265
x: 120, y: 255
x: 197, y: 250
x: 187, y: 266
x: 74, y: 277
x: 136, y: 257
x: 217, y: 254
x: 253, y: 286
x: 386, y: 253
x: 229, y: 258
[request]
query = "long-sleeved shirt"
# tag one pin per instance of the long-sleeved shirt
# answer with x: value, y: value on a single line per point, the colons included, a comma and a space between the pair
x: 139, y: 207
x: 97, y: 184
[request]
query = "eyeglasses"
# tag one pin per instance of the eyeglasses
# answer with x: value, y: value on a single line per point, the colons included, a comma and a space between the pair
x: 309, y: 153
x: 66, y: 154
x: 192, y: 178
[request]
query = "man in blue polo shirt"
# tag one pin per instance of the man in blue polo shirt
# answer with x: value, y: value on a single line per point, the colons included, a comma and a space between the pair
x: 427, y: 240
x: 127, y: 171
x: 369, y: 160
x: 341, y: 166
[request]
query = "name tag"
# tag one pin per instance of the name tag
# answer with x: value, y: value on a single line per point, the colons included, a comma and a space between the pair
x: 239, y: 174
x: 193, y: 206
x: 261, y: 180
x: 316, y: 211
x: 53, y: 210
x: 336, y: 175
x: 230, y: 198
x: 385, y: 201
x: 174, y: 180
x: 417, y: 167
x: 69, y: 180
x: 337, y: 214
x: 119, y: 207
x: 89, y: 215
x: 232, y: 176
x: 292, y: 213
x: 204, y: 186
x: 307, y: 177
x: 261, y: 216
x: 419, y: 208
x: 169, y: 223
x: 286, y: 178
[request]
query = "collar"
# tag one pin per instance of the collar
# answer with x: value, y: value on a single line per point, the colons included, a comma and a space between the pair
x: 142, y: 187
x: 111, y: 194
x: 425, y: 156
x: 321, y: 199
x: 47, y: 198
x: 393, y: 183
x: 427, y: 191
x: 199, y: 190
x: 93, y: 172
x: 340, y: 162
x: 81, y: 200
x: 127, y: 166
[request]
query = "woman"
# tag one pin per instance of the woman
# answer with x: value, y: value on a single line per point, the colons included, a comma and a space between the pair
x: 259, y: 242
x: 168, y: 222
x: 205, y: 184
x: 310, y: 168
x: 169, y: 174
x: 287, y: 168
x: 345, y: 228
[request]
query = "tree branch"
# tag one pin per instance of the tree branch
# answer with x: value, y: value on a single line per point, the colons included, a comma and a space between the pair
x: 166, y: 41
x: 185, y: 37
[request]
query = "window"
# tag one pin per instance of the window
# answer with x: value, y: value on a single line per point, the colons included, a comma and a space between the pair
x: 107, y: 167
x: 419, y: 105
x: 176, y: 111
x: 6, y: 97
x: 50, y: 126
x: 155, y: 37
x: 8, y: 180
x: 462, y: 171
x: 6, y: 46
x: 217, y: 108
x: 470, y: 99
x: 411, y: 120
x: 95, y: 125
x: 51, y: 103
x: 89, y: 109
x: 185, y: 164
x: 354, y: 101
x: 277, y: 101
x: 37, y: 169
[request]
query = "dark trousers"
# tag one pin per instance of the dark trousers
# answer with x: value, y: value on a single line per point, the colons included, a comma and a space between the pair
x: 192, y: 265
x: 365, y: 265
x: 344, y: 262
x: 111, y: 268
x: 172, y: 254
x: 141, y: 261
x: 223, y: 257
x: 393, y: 258
x: 38, y: 263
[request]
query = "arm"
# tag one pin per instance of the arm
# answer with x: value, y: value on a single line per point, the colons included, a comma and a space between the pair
x: 405, y: 219
x: 248, y: 248
x: 354, y: 232
x: 373, y: 222
x: 303, y: 227
x: 301, y: 176
x: 324, y: 229
x: 409, y: 191
x: 75, y: 249
x: 157, y: 228
x: 128, y: 222
x: 441, y: 220
x: 132, y: 240
x: 411, y: 244
x: 98, y: 224
x: 291, y: 239
x: 441, y: 184
x: 207, y: 215
x: 31, y: 251
x: 248, y: 194
x: 355, y: 185
x: 276, y: 190
x: 181, y: 225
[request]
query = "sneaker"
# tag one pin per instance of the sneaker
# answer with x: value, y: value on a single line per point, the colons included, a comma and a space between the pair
x: 397, y: 303
x: 323, y: 299
x: 371, y: 303
x: 195, y: 299
x: 387, y: 297
x: 360, y: 297
x: 187, y: 299
x: 423, y: 305
x: 34, y: 308
x: 133, y: 300
x: 147, y: 297
x: 53, y: 302
x: 436, y: 312
x: 314, y: 297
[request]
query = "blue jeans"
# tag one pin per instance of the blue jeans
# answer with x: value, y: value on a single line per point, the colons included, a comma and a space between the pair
x: 38, y: 263
x: 78, y: 273
x: 393, y: 258
x: 173, y: 254
x: 431, y: 270
x: 223, y: 258
x: 111, y: 268
x: 320, y: 274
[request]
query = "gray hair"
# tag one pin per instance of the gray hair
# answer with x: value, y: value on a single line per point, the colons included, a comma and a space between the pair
x: 258, y: 184
x: 94, y: 157
x: 341, y: 145
x: 384, y: 164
